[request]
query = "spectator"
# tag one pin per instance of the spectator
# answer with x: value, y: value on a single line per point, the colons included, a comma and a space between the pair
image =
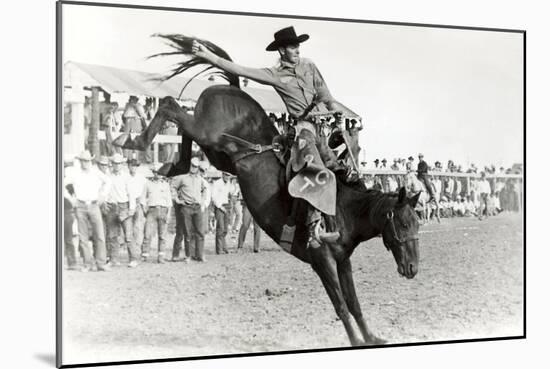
x: 384, y: 162
x: 157, y: 201
x: 192, y: 192
x: 104, y: 167
x: 470, y: 209
x: 135, y: 121
x: 222, y: 208
x: 247, y: 219
x: 437, y: 187
x: 111, y: 126
x: 235, y: 202
x: 90, y: 187
x: 168, y: 150
x: 376, y: 162
x: 68, y: 221
x: 395, y: 165
x: 459, y: 207
x: 120, y: 210
x: 422, y: 173
x: 484, y: 192
x: 391, y: 184
x: 136, y: 186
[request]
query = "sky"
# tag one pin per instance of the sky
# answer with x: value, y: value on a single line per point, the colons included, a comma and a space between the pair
x: 448, y: 93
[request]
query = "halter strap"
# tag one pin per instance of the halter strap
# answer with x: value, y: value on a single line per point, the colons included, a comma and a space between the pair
x: 253, y: 149
x: 389, y: 217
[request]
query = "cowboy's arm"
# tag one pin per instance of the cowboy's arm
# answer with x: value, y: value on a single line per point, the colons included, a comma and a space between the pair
x: 260, y: 75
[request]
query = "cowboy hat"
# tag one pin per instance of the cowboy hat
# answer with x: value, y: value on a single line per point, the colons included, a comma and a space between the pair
x: 118, y: 159
x: 103, y: 160
x: 85, y: 156
x: 285, y: 36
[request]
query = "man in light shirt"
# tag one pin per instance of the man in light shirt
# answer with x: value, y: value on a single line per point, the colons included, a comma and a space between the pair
x: 193, y: 193
x: 157, y: 202
x: 120, y: 209
x: 484, y: 191
x: 136, y: 186
x: 220, y: 198
x: 89, y: 190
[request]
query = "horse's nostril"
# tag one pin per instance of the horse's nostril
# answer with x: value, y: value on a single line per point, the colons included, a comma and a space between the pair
x: 412, y: 269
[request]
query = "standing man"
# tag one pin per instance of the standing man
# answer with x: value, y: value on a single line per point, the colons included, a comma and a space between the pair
x: 103, y: 165
x: 135, y: 121
x: 136, y: 186
x: 484, y: 191
x: 303, y: 89
x: 68, y: 219
x: 90, y: 188
x: 191, y: 192
x: 222, y: 208
x: 247, y: 219
x: 422, y: 173
x: 120, y: 209
x: 157, y: 202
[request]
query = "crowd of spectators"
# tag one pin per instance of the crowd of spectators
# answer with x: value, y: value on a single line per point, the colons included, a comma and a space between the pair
x: 121, y: 199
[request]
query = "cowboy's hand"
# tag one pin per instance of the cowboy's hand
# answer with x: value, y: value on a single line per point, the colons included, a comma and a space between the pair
x: 201, y: 51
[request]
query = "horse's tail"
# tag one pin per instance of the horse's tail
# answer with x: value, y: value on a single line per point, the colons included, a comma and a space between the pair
x: 182, y: 45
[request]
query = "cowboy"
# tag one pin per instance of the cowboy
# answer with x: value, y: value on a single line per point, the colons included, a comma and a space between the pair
x: 89, y: 189
x: 303, y: 90
x: 120, y: 209
x: 157, y: 202
x: 422, y: 174
x: 192, y: 192
x: 222, y: 209
x: 136, y: 186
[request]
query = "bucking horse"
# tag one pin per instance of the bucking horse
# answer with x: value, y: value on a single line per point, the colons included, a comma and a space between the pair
x: 237, y: 136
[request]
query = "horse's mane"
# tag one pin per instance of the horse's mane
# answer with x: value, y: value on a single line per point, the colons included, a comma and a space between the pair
x: 182, y: 46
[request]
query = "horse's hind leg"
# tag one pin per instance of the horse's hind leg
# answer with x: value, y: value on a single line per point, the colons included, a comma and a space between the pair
x: 325, y: 266
x: 348, y: 288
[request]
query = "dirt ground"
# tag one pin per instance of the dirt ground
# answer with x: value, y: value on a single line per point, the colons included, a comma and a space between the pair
x: 469, y: 285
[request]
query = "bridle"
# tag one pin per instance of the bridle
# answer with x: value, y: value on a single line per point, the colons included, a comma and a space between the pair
x: 400, y: 240
x: 252, y: 149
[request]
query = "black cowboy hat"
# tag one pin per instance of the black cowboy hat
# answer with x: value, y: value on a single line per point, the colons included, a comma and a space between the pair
x: 286, y: 36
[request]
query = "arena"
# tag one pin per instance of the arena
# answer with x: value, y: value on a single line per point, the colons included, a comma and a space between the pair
x: 469, y: 285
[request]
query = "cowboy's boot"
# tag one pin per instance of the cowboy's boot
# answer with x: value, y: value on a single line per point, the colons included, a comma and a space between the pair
x: 316, y: 232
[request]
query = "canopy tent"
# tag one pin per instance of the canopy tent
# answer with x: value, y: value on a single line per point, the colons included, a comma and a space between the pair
x: 115, y: 80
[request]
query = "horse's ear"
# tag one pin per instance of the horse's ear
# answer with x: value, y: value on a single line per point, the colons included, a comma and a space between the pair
x: 413, y: 200
x: 402, y: 196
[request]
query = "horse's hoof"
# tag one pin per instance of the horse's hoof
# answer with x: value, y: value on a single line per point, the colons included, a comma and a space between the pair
x: 124, y: 141
x: 375, y: 341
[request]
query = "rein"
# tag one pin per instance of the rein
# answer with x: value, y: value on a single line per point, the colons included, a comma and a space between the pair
x: 389, y: 217
x: 253, y: 149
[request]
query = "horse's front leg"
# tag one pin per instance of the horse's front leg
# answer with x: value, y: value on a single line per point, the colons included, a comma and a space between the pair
x: 325, y: 266
x: 345, y: 276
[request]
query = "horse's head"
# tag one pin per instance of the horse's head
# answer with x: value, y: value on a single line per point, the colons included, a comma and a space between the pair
x: 400, y: 234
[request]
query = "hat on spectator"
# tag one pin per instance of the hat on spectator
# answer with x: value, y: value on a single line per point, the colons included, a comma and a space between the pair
x: 134, y: 163
x: 103, y: 160
x: 384, y: 160
x: 118, y: 159
x: 67, y: 162
x: 376, y: 161
x: 195, y: 162
x: 420, y: 155
x: 411, y: 158
x: 85, y: 156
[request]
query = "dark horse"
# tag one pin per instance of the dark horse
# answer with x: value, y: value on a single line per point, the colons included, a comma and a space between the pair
x: 360, y: 215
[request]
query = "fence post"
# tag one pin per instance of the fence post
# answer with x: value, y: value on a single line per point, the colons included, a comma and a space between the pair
x: 155, y: 152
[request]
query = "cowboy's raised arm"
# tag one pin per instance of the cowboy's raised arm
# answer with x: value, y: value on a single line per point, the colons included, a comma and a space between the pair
x: 260, y: 75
